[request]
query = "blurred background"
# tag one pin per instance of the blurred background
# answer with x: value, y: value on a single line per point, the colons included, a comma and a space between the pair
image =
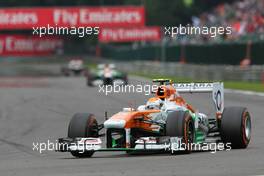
x: 133, y: 38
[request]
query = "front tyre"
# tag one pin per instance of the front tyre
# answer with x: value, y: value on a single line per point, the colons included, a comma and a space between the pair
x: 180, y: 124
x: 236, y: 127
x: 83, y: 125
x: 89, y: 82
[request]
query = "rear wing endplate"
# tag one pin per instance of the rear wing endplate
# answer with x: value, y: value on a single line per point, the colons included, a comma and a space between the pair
x: 216, y: 88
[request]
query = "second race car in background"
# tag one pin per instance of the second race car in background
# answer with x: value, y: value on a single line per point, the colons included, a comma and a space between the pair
x: 106, y: 74
x: 74, y: 67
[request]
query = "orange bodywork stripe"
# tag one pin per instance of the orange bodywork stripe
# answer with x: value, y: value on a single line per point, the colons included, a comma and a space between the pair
x: 130, y: 117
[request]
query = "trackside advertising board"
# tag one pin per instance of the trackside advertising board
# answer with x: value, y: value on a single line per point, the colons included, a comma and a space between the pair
x: 17, y: 45
x: 130, y: 34
x: 26, y: 18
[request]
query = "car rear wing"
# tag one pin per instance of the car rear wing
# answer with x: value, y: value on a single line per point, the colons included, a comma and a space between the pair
x: 216, y: 88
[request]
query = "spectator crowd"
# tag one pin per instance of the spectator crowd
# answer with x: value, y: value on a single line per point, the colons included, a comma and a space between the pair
x: 246, y: 17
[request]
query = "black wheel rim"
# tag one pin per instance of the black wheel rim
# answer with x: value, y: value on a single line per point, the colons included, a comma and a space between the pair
x: 190, y: 133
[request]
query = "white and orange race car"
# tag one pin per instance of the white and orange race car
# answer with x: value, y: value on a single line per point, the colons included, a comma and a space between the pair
x: 165, y: 123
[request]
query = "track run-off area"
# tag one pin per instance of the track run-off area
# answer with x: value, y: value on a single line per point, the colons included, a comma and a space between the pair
x: 37, y: 110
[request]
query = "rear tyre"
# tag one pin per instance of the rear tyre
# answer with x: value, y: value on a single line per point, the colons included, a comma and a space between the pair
x: 65, y: 71
x: 180, y: 124
x: 89, y: 82
x: 89, y: 79
x: 83, y: 125
x: 236, y: 127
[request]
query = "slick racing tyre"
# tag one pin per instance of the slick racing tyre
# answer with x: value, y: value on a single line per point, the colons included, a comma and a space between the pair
x: 236, y: 127
x: 77, y: 72
x: 180, y: 124
x: 83, y: 125
x: 89, y: 82
x: 65, y: 72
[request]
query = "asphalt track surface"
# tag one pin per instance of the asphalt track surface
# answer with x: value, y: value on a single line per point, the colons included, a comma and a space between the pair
x: 37, y: 110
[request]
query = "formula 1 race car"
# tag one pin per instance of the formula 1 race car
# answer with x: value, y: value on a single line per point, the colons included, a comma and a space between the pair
x: 106, y: 74
x: 165, y: 123
x: 74, y: 67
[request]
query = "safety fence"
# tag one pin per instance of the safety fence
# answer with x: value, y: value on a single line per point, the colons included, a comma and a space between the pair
x: 225, y: 53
